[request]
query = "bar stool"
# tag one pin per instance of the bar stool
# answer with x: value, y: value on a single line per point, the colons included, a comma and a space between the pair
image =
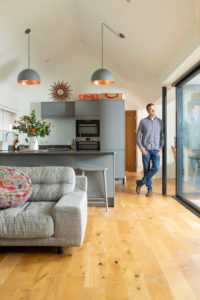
x: 103, y: 170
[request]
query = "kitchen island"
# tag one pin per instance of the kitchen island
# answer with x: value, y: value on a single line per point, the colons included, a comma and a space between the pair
x: 76, y: 159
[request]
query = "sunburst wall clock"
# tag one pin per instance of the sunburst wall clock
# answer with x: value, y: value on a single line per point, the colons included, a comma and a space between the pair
x: 61, y: 91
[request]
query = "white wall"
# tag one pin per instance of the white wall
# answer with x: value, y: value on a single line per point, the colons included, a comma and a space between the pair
x: 171, y: 132
x: 9, y: 96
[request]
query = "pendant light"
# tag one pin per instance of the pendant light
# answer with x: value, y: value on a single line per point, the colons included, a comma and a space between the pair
x: 103, y: 76
x: 28, y: 76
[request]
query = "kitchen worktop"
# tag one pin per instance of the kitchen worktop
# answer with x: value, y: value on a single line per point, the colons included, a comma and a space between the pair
x: 57, y: 151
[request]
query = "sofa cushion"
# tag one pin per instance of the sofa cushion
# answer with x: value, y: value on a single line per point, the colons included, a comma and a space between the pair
x: 32, y: 220
x: 50, y: 183
x: 15, y: 187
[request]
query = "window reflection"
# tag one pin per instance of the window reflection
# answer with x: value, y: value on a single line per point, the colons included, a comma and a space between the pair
x: 189, y: 142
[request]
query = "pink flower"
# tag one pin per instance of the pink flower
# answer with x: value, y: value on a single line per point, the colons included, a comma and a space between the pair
x: 18, y: 195
x: 11, y: 188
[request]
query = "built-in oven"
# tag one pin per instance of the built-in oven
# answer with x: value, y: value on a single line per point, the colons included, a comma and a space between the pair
x: 88, y: 143
x: 87, y: 128
x: 87, y: 134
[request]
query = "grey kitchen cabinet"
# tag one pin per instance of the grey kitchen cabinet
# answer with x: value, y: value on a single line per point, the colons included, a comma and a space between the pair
x: 57, y: 109
x: 120, y: 165
x: 112, y: 124
x: 87, y: 109
x: 112, y: 131
x: 14, y: 160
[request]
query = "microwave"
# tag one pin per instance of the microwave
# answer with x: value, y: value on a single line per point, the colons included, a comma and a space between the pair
x: 87, y: 128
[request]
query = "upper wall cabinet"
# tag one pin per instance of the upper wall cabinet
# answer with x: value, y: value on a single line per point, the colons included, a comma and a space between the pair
x: 87, y: 108
x: 57, y: 109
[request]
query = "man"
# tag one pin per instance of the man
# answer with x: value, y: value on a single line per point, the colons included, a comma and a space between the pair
x: 150, y: 140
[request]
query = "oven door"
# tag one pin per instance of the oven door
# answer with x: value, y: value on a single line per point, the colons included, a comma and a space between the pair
x: 88, y: 146
x: 90, y: 128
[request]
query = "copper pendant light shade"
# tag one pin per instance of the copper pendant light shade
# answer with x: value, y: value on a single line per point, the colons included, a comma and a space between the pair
x: 103, y: 76
x: 28, y: 76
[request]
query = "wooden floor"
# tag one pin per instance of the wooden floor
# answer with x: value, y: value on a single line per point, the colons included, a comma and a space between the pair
x: 144, y: 248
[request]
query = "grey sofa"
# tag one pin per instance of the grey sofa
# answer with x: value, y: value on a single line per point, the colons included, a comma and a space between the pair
x: 55, y: 215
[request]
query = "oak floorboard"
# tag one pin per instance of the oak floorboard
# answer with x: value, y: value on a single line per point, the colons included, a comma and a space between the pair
x: 143, y: 249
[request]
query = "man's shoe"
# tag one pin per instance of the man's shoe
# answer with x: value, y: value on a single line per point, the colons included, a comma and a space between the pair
x: 149, y: 193
x: 138, y: 187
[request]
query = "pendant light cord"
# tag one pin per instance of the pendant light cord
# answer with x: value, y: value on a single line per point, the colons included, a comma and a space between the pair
x: 117, y: 34
x: 29, y: 50
x: 102, y: 41
x: 27, y: 31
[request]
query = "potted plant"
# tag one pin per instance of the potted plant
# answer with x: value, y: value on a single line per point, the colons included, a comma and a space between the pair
x: 33, y: 127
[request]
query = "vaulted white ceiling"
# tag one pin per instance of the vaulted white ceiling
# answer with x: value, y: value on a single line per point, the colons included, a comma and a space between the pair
x: 159, y: 34
x: 155, y: 30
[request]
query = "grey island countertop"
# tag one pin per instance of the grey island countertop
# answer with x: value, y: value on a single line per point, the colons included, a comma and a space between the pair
x: 57, y: 151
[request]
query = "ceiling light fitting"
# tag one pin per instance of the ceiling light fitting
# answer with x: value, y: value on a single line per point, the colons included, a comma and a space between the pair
x: 103, y: 76
x: 28, y: 76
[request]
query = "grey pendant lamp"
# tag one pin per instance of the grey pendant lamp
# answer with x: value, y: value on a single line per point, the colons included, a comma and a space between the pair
x: 103, y: 76
x: 28, y: 76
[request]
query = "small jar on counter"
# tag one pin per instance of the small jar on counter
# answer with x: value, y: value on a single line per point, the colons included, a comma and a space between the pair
x: 16, y: 143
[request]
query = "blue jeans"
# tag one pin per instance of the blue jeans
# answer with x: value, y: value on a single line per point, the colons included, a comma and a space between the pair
x: 149, y: 172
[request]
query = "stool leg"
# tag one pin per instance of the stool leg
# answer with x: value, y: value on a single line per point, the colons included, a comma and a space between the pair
x: 105, y: 190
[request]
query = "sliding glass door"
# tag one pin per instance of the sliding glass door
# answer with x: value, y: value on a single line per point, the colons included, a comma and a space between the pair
x: 188, y: 140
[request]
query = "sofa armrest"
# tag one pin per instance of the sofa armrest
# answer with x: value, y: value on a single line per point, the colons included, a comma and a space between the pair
x: 70, y: 218
x: 81, y: 183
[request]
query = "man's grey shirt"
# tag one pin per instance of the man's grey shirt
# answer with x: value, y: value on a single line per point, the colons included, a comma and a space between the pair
x: 150, y: 134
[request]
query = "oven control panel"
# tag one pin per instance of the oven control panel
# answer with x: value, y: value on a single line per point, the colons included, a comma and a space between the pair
x: 88, y: 139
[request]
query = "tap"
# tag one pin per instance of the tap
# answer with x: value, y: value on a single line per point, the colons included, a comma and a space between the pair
x: 8, y: 134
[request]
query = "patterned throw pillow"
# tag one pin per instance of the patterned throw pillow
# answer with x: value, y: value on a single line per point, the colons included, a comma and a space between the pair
x: 15, y: 187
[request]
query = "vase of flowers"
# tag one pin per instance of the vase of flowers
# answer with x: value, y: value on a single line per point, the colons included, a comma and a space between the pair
x: 33, y: 143
x: 33, y: 127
